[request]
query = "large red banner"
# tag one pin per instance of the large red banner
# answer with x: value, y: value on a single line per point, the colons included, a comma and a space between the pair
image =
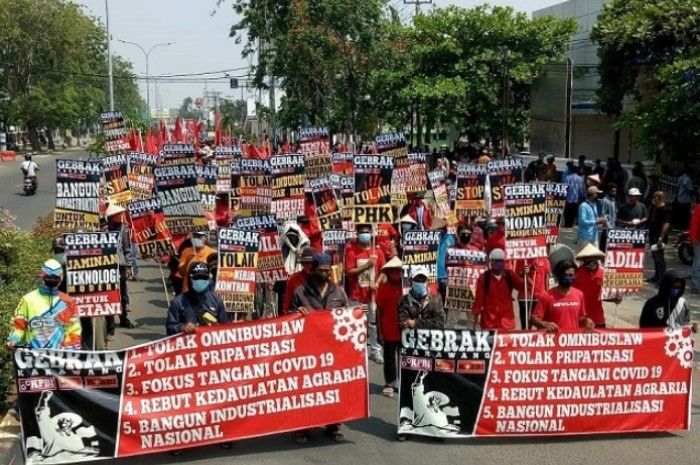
x: 481, y: 383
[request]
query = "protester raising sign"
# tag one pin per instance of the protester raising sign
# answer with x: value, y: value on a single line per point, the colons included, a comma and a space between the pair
x: 225, y: 156
x: 238, y: 264
x: 326, y: 202
x: 223, y: 383
x: 314, y: 141
x: 177, y: 190
x: 287, y: 186
x: 624, y: 262
x: 470, y: 201
x: 114, y: 131
x: 270, y: 259
x: 92, y: 272
x: 148, y: 228
x: 464, y: 267
x: 461, y: 383
x: 501, y: 173
x: 372, y: 197
x: 140, y: 175
x: 77, y: 194
x: 556, y: 200
x: 116, y: 179
x: 526, y: 231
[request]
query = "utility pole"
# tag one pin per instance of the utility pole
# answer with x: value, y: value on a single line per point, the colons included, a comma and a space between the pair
x: 504, y: 103
x: 569, y: 77
x: 415, y: 113
x: 109, y: 59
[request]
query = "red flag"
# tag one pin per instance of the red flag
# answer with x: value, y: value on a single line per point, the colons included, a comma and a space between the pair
x: 177, y: 131
x: 217, y: 129
x: 164, y: 135
x: 151, y: 143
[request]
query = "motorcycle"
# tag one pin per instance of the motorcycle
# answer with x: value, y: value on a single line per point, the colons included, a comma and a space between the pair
x: 686, y: 251
x: 30, y: 185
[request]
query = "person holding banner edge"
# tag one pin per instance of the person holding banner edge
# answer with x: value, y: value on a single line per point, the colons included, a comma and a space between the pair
x: 418, y: 309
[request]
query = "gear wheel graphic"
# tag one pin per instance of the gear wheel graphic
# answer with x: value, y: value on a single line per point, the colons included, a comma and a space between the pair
x: 685, y: 356
x: 359, y: 339
x: 672, y: 347
x: 350, y: 324
x: 343, y: 330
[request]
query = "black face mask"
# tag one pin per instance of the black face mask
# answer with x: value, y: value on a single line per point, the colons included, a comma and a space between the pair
x: 52, y: 283
x: 321, y: 278
x: 464, y: 238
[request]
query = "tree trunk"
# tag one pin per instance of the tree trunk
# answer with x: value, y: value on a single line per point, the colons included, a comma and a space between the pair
x: 33, y: 138
x: 49, y: 136
x: 616, y: 143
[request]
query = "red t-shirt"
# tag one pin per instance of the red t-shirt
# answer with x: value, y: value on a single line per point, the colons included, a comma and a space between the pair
x: 496, y: 241
x: 358, y: 286
x: 590, y: 283
x: 537, y: 277
x: 294, y: 281
x: 386, y: 235
x: 565, y: 310
x: 388, y: 296
x: 496, y: 308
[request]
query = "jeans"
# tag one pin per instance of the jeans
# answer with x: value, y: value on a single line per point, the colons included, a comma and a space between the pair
x: 659, y: 264
x: 135, y: 260
x: 391, y: 354
x: 696, y: 268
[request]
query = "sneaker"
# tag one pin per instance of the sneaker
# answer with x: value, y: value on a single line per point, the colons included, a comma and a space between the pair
x: 388, y: 391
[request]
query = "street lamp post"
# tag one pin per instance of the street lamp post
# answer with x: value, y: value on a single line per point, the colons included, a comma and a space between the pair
x: 147, y: 54
x: 109, y: 59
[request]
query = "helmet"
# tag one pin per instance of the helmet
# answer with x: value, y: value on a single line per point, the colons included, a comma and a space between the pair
x: 28, y: 157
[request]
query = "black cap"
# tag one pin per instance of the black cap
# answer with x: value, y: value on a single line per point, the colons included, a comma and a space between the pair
x: 199, y: 270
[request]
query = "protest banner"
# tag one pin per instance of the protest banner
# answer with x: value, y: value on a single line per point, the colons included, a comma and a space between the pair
x: 417, y: 180
x: 206, y: 185
x: 526, y: 229
x: 115, y: 132
x: 223, y: 383
x: 556, y: 200
x: 253, y: 195
x: 177, y: 190
x: 464, y: 267
x: 343, y: 178
x: 420, y: 248
x: 327, y: 206
x: 442, y: 200
x: 464, y: 383
x: 270, y: 259
x: 92, y: 272
x: 470, y: 200
x: 116, y: 179
x: 78, y: 190
x: 393, y: 144
x: 177, y: 154
x: 314, y: 141
x: 140, y: 175
x: 624, y: 262
x: 501, y: 173
x: 226, y: 156
x: 148, y: 228
x: 372, y: 197
x: 287, y: 186
x: 238, y: 264
x: 342, y: 163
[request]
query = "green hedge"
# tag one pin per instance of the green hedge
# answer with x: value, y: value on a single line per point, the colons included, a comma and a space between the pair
x: 21, y: 256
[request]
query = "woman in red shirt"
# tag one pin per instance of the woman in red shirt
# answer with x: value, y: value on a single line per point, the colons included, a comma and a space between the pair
x: 388, y: 295
x: 589, y: 280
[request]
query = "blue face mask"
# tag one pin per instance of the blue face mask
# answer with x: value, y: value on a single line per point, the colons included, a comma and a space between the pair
x: 198, y: 242
x: 364, y: 238
x: 200, y: 285
x: 567, y: 281
x: 419, y: 289
x: 675, y: 292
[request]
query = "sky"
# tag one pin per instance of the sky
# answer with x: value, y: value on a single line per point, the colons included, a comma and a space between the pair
x: 201, y: 41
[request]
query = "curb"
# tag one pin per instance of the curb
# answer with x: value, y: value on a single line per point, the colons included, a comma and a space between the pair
x: 10, y: 441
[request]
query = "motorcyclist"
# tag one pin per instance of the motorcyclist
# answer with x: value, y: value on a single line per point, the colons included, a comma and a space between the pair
x: 29, y: 169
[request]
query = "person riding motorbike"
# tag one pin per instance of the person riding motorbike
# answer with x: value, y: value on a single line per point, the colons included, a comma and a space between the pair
x: 29, y: 169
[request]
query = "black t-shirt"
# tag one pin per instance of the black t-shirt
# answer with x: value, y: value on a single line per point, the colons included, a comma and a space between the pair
x: 628, y: 212
x: 658, y: 216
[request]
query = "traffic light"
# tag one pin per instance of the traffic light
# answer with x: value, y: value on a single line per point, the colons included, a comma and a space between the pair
x: 234, y: 83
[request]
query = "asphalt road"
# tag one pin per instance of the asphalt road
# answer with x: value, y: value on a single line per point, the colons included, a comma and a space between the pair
x: 372, y: 440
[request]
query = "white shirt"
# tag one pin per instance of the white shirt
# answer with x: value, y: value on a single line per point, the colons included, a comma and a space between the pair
x: 30, y: 167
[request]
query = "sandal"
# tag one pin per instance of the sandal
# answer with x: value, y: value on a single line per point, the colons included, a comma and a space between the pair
x: 301, y: 437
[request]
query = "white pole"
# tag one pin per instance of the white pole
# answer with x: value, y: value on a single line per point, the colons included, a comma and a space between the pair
x: 109, y: 59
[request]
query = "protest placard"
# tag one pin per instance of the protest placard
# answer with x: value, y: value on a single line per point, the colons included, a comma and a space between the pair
x: 225, y: 156
x: 526, y: 229
x: 178, y: 193
x: 206, y: 185
x: 177, y: 154
x: 253, y: 195
x: 78, y: 193
x: 117, y: 186
x: 92, y: 272
x: 420, y: 248
x: 372, y: 197
x: 624, y: 262
x: 464, y: 267
x: 142, y: 182
x: 148, y: 228
x: 314, y: 140
x: 442, y: 200
x: 238, y: 265
x: 327, y: 206
x: 270, y: 259
x: 470, y: 200
x: 114, y: 131
x: 556, y: 200
x: 287, y: 186
x: 501, y: 173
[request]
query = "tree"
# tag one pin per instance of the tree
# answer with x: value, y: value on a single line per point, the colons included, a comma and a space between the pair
x: 233, y: 112
x: 654, y: 46
x: 56, y: 77
x: 189, y: 111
